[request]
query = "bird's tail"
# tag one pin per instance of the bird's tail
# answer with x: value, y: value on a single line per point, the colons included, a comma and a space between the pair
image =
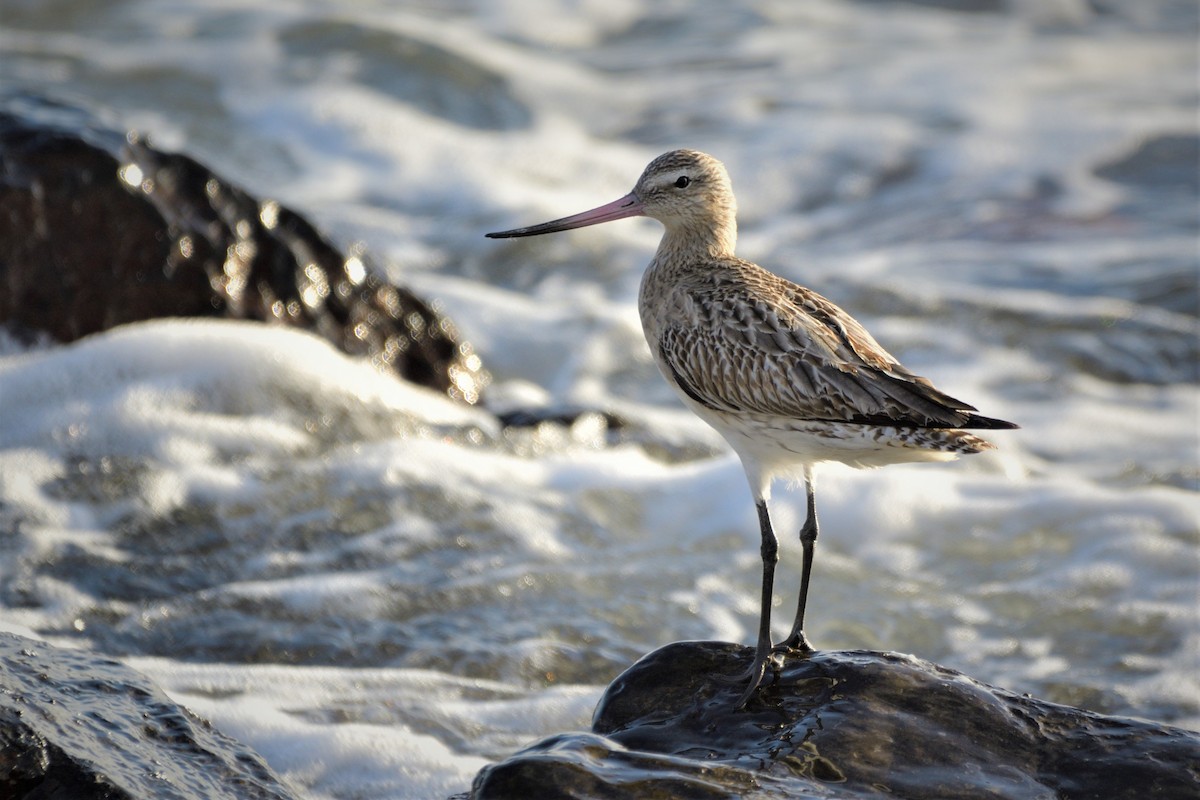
x: 989, y: 423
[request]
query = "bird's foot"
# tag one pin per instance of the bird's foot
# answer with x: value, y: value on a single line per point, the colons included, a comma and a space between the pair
x: 797, y: 642
x: 753, y: 678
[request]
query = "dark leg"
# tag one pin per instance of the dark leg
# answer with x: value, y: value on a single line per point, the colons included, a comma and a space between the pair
x: 770, y: 555
x: 808, y: 540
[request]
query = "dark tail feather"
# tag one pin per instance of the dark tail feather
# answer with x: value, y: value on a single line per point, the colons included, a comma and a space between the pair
x: 977, y: 421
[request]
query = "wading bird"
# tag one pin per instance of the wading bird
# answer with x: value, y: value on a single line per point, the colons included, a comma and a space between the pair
x: 785, y: 376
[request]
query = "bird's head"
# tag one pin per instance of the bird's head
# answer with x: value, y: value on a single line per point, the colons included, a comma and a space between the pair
x: 686, y: 190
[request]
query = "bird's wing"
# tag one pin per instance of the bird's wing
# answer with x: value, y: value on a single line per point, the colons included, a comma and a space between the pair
x: 753, y: 342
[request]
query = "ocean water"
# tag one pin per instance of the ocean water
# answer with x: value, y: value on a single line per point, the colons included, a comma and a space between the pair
x: 380, y: 591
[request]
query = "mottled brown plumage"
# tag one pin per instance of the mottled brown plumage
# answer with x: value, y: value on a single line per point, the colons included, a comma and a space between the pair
x: 742, y: 340
x: 786, y: 376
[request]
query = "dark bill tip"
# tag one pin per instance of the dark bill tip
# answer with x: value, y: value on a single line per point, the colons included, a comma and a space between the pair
x: 627, y: 206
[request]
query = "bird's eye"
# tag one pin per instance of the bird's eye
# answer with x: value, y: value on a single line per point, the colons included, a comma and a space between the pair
x: 682, y: 181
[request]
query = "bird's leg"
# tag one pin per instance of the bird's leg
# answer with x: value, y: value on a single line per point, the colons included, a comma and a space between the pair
x: 808, y: 540
x: 770, y: 555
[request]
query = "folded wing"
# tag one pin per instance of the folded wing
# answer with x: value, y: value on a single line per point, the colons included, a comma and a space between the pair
x: 751, y: 342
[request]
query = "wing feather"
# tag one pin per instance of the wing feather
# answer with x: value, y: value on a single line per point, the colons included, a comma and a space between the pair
x: 754, y: 342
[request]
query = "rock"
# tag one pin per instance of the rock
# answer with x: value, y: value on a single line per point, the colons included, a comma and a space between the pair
x: 74, y: 725
x: 99, y: 229
x: 840, y: 724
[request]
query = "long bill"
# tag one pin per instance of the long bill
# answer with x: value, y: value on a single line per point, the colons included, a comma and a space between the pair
x: 627, y: 206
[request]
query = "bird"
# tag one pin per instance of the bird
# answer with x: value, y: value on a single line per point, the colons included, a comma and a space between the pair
x: 789, y: 379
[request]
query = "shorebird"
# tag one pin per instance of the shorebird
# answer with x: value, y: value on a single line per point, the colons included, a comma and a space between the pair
x: 788, y: 378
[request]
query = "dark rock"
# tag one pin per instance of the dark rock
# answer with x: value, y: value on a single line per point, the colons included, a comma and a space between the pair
x: 848, y: 724
x: 74, y: 725
x: 99, y: 229
x: 532, y: 417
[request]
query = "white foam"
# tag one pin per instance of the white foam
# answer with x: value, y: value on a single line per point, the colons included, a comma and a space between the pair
x: 931, y: 171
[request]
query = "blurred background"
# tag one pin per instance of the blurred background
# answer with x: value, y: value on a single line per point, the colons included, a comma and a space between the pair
x: 380, y: 590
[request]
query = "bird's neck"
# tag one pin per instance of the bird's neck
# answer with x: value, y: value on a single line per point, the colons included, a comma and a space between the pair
x: 707, y: 240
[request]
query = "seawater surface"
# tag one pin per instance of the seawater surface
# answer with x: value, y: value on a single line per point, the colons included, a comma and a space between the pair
x: 380, y: 591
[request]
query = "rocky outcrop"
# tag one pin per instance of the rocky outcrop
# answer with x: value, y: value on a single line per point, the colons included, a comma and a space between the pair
x: 99, y: 229
x: 73, y: 724
x: 835, y: 724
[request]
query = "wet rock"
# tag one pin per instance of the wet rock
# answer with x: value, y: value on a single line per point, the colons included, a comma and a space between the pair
x: 98, y: 229
x: 73, y: 725
x: 850, y: 724
x: 555, y: 415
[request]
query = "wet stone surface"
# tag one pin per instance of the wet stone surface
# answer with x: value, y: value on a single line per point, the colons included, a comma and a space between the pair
x: 77, y: 725
x: 98, y: 229
x: 840, y: 724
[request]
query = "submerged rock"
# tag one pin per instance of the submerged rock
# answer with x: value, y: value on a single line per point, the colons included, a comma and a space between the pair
x: 75, y: 725
x: 840, y: 724
x: 99, y: 229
